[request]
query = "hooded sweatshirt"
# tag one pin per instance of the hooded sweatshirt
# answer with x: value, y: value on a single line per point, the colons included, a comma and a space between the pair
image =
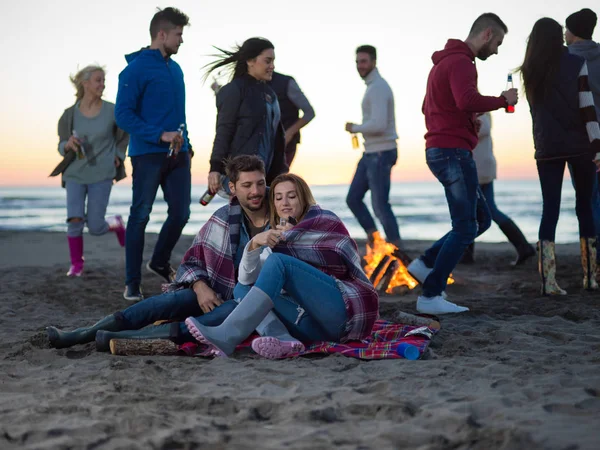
x: 452, y: 99
x: 150, y: 101
x: 590, y: 51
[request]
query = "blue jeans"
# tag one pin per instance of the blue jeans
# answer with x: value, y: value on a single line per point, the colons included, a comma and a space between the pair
x: 551, y: 174
x: 173, y: 176
x: 97, y: 195
x: 497, y: 216
x: 174, y: 306
x: 313, y: 309
x: 456, y: 170
x: 373, y: 173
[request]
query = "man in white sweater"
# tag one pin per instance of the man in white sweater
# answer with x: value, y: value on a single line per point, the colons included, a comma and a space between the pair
x: 379, y: 132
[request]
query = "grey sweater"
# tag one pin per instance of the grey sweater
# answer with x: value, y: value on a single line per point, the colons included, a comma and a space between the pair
x: 103, y: 141
x: 379, y: 119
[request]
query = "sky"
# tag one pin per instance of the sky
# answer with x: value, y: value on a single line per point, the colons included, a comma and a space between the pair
x: 314, y: 41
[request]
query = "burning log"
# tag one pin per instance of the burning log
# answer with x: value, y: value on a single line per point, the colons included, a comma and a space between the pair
x: 387, y: 276
x: 375, y: 276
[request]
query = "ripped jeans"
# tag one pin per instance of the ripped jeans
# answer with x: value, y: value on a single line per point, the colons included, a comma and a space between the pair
x: 312, y: 308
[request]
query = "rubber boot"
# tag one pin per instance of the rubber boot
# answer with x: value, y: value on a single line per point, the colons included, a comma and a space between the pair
x: 76, y: 253
x: 547, y: 269
x: 63, y: 339
x: 588, y: 262
x: 117, y: 226
x: 237, y: 326
x: 524, y: 249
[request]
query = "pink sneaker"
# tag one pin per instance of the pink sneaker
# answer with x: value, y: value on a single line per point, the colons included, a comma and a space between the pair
x: 116, y: 225
x: 273, y: 348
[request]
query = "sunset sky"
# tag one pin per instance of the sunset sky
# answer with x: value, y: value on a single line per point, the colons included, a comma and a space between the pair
x: 314, y: 41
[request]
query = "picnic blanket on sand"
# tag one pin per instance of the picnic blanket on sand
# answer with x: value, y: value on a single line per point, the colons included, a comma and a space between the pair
x: 381, y: 344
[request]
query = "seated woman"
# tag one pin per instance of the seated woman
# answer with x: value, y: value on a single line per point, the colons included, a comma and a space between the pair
x: 316, y: 263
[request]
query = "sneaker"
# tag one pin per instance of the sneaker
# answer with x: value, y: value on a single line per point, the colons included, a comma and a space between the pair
x: 133, y: 293
x: 419, y: 271
x: 438, y: 305
x: 165, y: 272
x: 116, y: 225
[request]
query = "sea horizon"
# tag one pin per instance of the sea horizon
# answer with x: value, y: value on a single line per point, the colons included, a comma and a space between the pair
x: 419, y: 206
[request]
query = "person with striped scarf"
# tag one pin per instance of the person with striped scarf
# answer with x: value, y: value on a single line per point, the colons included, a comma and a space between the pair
x: 565, y: 131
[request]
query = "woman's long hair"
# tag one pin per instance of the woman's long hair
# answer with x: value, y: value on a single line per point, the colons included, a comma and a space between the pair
x: 542, y: 58
x: 236, y: 59
x: 305, y: 196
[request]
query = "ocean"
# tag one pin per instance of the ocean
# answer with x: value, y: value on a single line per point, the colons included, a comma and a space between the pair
x: 420, y: 208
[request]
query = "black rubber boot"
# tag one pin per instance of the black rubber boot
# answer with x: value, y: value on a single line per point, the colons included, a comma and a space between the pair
x: 164, y: 331
x: 64, y: 339
x: 468, y: 256
x: 524, y: 249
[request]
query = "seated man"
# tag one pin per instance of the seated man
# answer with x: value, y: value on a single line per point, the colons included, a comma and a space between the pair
x: 206, y: 276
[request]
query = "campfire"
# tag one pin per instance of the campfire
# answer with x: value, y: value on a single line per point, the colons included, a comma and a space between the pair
x: 386, y: 267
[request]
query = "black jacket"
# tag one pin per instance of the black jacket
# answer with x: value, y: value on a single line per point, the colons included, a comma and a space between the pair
x: 558, y: 127
x: 241, y: 121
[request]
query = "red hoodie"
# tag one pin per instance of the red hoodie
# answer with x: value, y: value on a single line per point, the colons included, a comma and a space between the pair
x: 452, y: 99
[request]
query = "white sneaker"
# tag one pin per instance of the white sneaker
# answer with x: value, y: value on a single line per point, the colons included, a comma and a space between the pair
x: 438, y: 305
x: 419, y: 271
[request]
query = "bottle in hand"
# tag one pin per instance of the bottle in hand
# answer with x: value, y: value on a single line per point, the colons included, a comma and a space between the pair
x: 207, y: 197
x: 509, y: 85
x: 354, y: 141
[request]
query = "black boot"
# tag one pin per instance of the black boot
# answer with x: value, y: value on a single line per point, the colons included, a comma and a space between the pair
x: 468, y: 256
x: 164, y: 331
x: 63, y: 339
x: 524, y: 249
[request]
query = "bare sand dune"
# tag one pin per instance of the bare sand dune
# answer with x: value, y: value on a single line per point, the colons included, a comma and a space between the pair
x: 517, y: 372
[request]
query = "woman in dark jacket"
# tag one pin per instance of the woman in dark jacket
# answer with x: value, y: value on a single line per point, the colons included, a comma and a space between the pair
x: 565, y: 130
x: 248, y: 117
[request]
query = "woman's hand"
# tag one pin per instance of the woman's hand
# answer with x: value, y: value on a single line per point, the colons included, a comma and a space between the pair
x: 269, y: 238
x: 72, y: 144
x: 288, y: 226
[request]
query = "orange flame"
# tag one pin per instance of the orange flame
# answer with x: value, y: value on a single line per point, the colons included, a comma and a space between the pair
x: 376, y: 253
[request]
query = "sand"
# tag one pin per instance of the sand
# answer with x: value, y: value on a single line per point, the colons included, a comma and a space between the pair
x: 518, y: 371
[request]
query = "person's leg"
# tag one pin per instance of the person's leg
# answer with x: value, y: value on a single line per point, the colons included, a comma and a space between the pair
x: 98, y: 196
x: 596, y: 211
x: 315, y: 291
x: 551, y: 177
x: 379, y: 170
x: 455, y: 169
x: 76, y: 194
x: 584, y: 177
x: 358, y: 188
x: 176, y: 186
x: 146, y: 179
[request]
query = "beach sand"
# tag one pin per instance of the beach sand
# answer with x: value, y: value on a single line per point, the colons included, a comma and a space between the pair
x: 518, y: 371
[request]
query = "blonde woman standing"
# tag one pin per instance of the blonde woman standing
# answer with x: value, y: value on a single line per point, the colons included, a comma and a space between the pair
x: 88, y: 129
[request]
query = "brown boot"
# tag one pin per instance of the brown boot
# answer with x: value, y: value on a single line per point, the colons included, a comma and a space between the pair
x: 588, y: 262
x: 547, y: 269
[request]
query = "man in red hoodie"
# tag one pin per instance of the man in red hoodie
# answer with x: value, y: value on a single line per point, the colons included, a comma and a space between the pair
x: 450, y: 107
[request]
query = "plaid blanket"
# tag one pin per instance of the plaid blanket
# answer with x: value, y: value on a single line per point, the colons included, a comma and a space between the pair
x: 322, y: 240
x: 210, y: 258
x: 381, y: 344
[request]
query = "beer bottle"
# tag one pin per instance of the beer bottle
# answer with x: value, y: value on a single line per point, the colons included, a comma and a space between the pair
x: 509, y: 85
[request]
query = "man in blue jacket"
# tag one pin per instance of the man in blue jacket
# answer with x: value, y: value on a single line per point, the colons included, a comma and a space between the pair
x: 151, y: 107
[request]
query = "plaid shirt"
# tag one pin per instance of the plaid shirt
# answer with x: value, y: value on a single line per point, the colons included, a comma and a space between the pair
x: 211, y: 256
x: 322, y: 240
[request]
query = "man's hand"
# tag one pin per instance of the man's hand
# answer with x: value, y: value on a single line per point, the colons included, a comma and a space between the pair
x: 168, y: 136
x: 72, y: 144
x: 288, y: 137
x: 511, y: 96
x: 207, y: 298
x: 117, y: 161
x: 214, y: 181
x: 349, y: 126
x: 269, y: 238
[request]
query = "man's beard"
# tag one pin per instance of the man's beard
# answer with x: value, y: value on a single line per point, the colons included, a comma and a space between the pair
x: 484, y: 52
x: 249, y: 207
x: 171, y: 50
